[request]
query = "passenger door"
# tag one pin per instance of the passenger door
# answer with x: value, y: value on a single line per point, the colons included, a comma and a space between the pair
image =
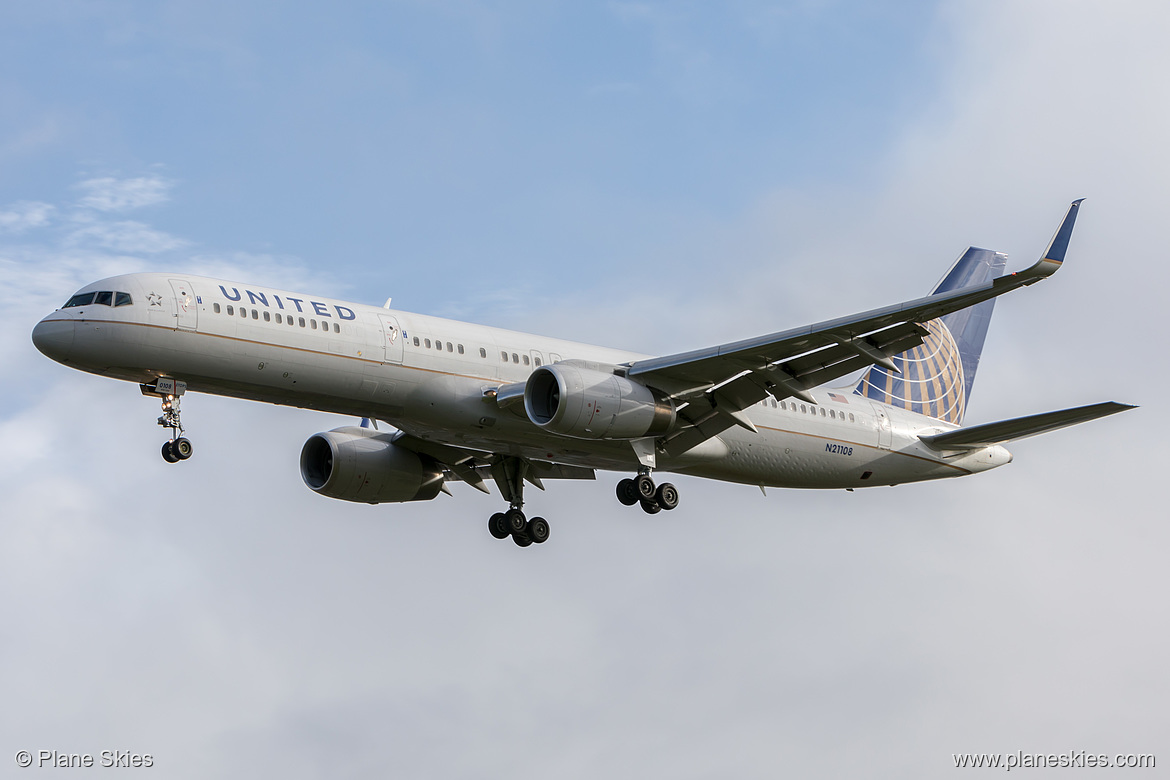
x: 391, y: 339
x: 884, y: 429
x: 186, y: 310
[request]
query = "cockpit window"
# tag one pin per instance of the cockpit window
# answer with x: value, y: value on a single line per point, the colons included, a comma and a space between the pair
x: 122, y: 299
x: 81, y: 299
x: 104, y: 298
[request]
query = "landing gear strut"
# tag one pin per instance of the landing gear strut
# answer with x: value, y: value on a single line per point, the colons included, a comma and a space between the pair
x: 641, y: 490
x: 513, y: 523
x: 178, y: 447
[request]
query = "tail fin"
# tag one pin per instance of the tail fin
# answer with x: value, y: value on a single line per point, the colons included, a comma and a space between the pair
x: 936, y: 377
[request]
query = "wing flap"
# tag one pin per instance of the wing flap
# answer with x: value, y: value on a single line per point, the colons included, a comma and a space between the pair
x: 977, y: 436
x: 474, y: 467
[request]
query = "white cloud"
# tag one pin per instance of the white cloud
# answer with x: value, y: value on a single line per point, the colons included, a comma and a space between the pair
x: 111, y: 194
x: 125, y: 236
x: 25, y: 215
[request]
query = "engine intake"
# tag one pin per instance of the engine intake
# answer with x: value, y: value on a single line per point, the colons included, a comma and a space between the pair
x: 358, y: 464
x: 588, y: 404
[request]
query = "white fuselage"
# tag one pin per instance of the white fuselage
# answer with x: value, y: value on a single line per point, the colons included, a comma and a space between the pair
x: 433, y: 378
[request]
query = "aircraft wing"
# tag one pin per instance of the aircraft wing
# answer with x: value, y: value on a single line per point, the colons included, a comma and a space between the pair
x: 719, y: 382
x: 978, y: 436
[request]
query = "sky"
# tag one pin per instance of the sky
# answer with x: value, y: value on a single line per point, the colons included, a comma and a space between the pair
x: 647, y: 175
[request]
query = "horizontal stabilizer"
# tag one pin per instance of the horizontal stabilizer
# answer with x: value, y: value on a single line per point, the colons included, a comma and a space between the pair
x: 985, y: 435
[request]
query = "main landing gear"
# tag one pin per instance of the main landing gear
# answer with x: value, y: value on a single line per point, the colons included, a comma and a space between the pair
x: 178, y: 447
x: 641, y: 490
x: 523, y: 531
x: 509, y: 475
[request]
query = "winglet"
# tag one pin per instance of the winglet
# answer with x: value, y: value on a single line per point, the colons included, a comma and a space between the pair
x: 1050, y: 262
x: 1059, y: 243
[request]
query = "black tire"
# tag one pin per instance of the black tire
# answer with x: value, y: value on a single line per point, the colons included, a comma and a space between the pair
x: 650, y: 508
x: 538, y: 530
x: 645, y: 487
x: 496, y: 526
x: 515, y: 521
x: 168, y: 453
x: 666, y: 496
x: 521, y: 540
x: 182, y: 448
x: 627, y: 492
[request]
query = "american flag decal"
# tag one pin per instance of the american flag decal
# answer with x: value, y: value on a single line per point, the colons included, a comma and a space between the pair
x: 840, y: 398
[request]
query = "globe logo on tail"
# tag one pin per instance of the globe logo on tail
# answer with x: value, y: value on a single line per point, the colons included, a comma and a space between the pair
x: 931, y: 382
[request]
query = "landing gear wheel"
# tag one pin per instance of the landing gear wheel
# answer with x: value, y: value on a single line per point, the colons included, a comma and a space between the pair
x: 645, y: 487
x: 515, y: 522
x: 650, y: 508
x: 627, y: 492
x: 497, y: 527
x: 182, y: 448
x: 538, y: 530
x: 666, y: 496
x: 521, y: 540
x: 168, y: 453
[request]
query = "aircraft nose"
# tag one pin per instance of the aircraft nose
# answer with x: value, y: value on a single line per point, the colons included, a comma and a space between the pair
x: 54, y: 338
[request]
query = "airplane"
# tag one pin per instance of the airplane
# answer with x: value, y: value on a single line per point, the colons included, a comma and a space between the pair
x: 469, y: 403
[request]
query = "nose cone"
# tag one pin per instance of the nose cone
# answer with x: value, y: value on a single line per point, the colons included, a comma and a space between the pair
x: 54, y: 338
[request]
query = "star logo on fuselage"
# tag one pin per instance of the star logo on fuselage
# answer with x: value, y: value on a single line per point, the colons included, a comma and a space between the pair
x: 154, y: 298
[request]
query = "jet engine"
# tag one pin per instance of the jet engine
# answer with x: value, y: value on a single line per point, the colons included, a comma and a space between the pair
x: 359, y: 464
x: 584, y: 403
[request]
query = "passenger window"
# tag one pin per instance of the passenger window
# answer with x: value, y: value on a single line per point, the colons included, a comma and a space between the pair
x: 460, y: 349
x: 537, y: 361
x: 851, y: 417
x: 122, y: 299
x: 313, y: 324
x: 301, y: 321
x: 823, y: 412
x: 336, y: 328
x: 416, y: 341
x: 255, y: 314
x: 526, y: 360
x: 482, y: 352
x: 803, y: 409
x: 231, y: 310
x: 215, y: 308
x: 832, y: 414
x: 504, y: 356
x: 439, y: 345
x: 428, y: 343
x: 279, y: 319
x: 267, y: 317
x: 81, y: 299
x: 104, y: 298
x: 243, y: 312
x: 515, y: 358
x: 449, y: 347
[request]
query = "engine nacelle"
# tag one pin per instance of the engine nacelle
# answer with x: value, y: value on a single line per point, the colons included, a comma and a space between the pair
x: 359, y: 464
x: 587, y: 404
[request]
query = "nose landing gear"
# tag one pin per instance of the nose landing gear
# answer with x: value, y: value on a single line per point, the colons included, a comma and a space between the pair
x: 178, y: 447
